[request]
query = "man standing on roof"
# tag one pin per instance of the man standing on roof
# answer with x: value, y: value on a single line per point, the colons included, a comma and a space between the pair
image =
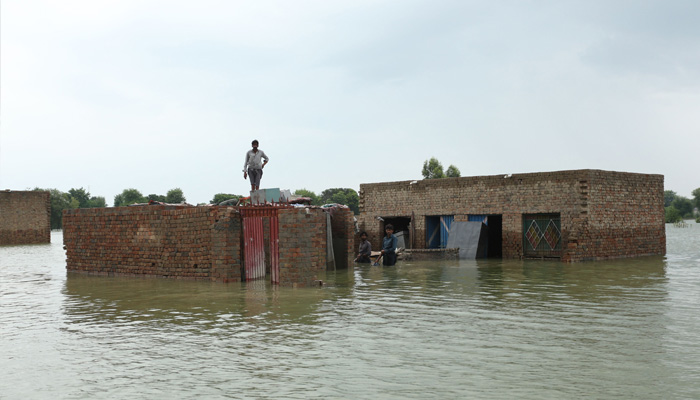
x: 253, y: 165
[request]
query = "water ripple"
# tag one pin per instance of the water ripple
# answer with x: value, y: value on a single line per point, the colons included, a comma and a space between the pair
x: 484, y: 329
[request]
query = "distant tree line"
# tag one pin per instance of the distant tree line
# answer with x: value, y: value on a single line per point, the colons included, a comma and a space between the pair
x: 133, y: 196
x: 81, y: 198
x: 679, y: 207
x: 74, y: 198
x: 345, y: 196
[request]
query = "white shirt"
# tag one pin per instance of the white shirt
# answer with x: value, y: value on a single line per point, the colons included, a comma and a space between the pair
x: 253, y: 160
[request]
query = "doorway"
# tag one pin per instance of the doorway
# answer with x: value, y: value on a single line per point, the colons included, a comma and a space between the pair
x: 402, y: 229
x: 437, y: 230
x: 494, y: 242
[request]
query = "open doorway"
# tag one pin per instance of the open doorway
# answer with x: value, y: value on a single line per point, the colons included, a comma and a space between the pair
x: 402, y: 229
x: 437, y: 230
x: 494, y: 242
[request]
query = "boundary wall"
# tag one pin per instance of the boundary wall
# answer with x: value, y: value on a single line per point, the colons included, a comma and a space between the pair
x: 201, y: 243
x: 25, y: 217
x: 603, y: 214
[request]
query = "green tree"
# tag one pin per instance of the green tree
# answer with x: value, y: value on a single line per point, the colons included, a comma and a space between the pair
x: 683, y: 205
x: 156, y: 197
x: 344, y: 196
x: 672, y: 215
x: 220, y: 197
x: 82, y: 196
x: 75, y: 198
x: 696, y: 197
x: 74, y: 203
x: 452, y: 172
x: 432, y: 169
x: 315, y: 200
x: 669, y: 196
x: 127, y: 197
x: 97, y: 202
x: 175, y: 196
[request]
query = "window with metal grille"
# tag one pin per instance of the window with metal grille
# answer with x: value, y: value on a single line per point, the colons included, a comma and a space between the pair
x: 542, y: 235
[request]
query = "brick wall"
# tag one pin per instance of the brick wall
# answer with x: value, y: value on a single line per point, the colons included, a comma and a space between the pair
x: 302, y: 246
x: 343, y: 232
x: 625, y: 217
x: 25, y: 217
x: 200, y: 243
x: 603, y: 214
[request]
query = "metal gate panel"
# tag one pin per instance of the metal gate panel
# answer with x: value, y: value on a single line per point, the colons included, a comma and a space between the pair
x: 274, y: 250
x: 432, y: 232
x: 254, y: 242
x: 445, y: 222
x: 254, y: 248
x: 438, y: 231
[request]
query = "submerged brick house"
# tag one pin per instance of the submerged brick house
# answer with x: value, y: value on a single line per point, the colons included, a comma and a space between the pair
x: 25, y: 217
x: 570, y: 215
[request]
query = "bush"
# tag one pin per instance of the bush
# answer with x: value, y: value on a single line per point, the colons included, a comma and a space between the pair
x: 673, y: 215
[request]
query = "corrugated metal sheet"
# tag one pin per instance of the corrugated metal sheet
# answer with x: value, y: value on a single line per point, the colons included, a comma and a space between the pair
x: 254, y: 242
x: 274, y: 250
x: 254, y: 248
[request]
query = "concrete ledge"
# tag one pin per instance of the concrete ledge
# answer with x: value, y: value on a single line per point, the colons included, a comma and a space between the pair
x: 430, y: 254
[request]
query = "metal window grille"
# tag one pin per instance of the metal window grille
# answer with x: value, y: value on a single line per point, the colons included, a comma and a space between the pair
x: 542, y: 235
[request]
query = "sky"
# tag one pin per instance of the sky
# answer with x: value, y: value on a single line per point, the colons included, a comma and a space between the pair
x: 155, y: 95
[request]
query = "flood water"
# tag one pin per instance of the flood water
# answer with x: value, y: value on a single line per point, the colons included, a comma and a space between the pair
x: 480, y: 329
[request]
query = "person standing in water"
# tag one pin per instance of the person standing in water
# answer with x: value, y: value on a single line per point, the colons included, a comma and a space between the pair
x: 254, y: 165
x: 389, y: 246
x: 365, y: 250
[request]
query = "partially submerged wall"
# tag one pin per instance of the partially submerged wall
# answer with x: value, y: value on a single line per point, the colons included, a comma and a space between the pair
x: 158, y: 241
x: 202, y: 243
x: 626, y: 217
x: 603, y: 214
x: 304, y: 243
x: 302, y: 246
x: 25, y: 217
x: 343, y: 229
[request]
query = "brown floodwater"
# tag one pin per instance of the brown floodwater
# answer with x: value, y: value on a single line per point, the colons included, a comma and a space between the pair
x: 482, y: 329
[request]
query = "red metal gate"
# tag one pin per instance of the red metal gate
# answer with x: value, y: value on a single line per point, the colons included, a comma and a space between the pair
x: 254, y: 242
x: 274, y: 249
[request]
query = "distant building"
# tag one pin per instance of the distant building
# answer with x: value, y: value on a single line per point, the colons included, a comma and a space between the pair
x: 568, y: 215
x: 25, y: 217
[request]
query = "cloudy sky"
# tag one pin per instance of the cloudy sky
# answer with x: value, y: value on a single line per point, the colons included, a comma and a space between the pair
x: 154, y: 95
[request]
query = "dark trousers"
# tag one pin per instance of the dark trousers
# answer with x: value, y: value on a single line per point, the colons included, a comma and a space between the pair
x: 389, y: 259
x: 364, y: 259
